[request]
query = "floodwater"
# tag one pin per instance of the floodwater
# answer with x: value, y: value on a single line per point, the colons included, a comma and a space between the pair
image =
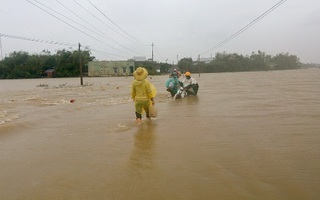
x: 250, y: 135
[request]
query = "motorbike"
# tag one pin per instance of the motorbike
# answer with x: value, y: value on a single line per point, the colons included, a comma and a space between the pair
x: 181, y: 93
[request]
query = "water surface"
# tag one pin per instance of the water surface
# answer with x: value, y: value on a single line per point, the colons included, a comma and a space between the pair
x: 252, y: 135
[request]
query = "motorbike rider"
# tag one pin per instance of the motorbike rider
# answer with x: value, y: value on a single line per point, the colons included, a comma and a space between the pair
x: 173, y: 83
x: 175, y: 72
x: 190, y: 84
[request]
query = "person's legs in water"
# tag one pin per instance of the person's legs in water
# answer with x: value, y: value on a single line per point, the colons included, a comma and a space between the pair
x: 142, y: 105
x: 195, y: 88
x: 146, y: 106
x: 138, y: 118
x: 171, y: 92
x: 138, y: 106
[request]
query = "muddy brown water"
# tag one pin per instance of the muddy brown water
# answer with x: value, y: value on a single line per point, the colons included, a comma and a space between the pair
x: 251, y: 135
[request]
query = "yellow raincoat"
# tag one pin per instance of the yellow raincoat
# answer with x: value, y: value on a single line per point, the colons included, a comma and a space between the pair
x: 141, y: 92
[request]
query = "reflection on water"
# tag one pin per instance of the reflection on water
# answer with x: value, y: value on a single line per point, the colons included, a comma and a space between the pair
x: 252, y: 135
x: 141, y: 158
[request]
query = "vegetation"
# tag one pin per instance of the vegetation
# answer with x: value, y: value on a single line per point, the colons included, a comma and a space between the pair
x: 310, y: 65
x: 66, y: 64
x: 22, y: 65
x: 224, y: 62
x: 150, y: 66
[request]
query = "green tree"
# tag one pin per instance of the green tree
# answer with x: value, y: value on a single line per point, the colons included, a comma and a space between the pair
x: 67, y: 62
x: 164, y: 68
x: 259, y: 61
x: 285, y: 61
x: 149, y: 65
x: 185, y: 64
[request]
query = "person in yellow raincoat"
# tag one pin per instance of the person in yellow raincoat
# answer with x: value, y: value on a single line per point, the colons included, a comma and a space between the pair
x: 142, y: 93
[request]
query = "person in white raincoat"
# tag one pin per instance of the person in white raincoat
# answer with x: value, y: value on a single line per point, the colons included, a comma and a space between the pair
x: 190, y: 84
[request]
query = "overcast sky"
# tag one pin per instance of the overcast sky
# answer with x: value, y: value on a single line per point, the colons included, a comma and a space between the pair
x: 122, y: 29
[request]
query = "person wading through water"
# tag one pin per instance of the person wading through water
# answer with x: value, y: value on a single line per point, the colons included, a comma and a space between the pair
x: 142, y: 93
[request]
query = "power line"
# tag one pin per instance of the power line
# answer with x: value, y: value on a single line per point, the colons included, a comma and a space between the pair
x: 65, y: 17
x: 83, y: 19
x: 113, y: 22
x: 37, y: 40
x: 30, y: 24
x: 104, y: 53
x: 42, y: 7
x: 47, y: 41
x: 51, y: 42
x: 90, y: 24
x: 98, y: 18
x: 72, y: 26
x: 247, y: 26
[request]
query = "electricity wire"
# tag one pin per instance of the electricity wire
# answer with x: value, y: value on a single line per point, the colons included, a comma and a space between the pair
x: 46, y: 41
x: 52, y: 42
x: 69, y: 24
x: 90, y: 24
x: 72, y: 25
x: 99, y: 19
x: 132, y: 37
x: 246, y: 27
x: 37, y: 40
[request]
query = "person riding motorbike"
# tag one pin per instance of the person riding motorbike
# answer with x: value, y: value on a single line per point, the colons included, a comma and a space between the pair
x: 173, y: 84
x: 175, y: 72
x: 190, y: 84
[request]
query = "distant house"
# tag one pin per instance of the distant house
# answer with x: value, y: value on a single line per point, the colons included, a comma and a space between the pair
x: 139, y: 58
x: 206, y: 60
x: 110, y: 68
x: 49, y: 73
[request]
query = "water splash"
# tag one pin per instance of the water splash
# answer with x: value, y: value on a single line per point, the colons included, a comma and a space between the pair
x: 5, y: 117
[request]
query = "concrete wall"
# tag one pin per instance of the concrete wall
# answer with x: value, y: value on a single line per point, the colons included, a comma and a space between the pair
x: 110, y: 68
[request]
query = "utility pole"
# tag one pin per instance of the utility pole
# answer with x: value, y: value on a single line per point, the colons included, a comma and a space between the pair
x: 152, y: 51
x: 80, y: 65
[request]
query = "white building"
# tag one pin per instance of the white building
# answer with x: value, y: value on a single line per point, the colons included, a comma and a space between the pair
x: 110, y: 68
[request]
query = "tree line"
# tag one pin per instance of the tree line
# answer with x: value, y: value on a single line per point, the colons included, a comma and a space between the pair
x: 23, y: 65
x: 233, y: 62
x: 66, y: 64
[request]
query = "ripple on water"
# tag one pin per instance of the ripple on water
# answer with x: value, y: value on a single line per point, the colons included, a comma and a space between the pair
x: 5, y: 117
